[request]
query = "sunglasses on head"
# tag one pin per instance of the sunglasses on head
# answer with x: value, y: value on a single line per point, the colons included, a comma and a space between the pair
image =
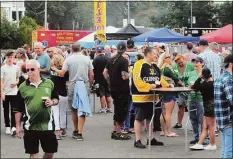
x: 31, y: 69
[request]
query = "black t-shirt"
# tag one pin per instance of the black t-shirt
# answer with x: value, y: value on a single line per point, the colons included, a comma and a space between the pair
x: 60, y: 84
x: 117, y: 84
x: 99, y: 64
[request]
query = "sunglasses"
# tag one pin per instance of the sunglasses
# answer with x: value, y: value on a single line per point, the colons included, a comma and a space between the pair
x: 167, y: 57
x: 31, y: 69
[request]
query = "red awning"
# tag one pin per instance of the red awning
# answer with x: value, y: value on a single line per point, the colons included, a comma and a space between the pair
x: 222, y: 35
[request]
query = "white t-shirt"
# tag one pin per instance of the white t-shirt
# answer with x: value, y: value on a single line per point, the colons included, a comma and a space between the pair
x: 9, y: 75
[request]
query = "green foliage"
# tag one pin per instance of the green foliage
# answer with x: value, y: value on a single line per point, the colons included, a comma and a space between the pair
x: 10, y: 37
x: 225, y: 13
x: 62, y: 15
x: 26, y: 26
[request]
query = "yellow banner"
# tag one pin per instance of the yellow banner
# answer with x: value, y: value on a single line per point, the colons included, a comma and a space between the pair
x: 34, y: 36
x: 100, y: 19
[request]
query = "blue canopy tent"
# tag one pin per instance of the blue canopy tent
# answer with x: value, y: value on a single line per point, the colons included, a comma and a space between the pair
x: 164, y: 35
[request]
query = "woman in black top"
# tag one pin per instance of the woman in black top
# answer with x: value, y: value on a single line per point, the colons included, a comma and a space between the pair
x: 59, y: 111
x: 205, y: 85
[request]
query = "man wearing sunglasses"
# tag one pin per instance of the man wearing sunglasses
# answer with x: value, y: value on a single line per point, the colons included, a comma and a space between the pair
x: 39, y: 124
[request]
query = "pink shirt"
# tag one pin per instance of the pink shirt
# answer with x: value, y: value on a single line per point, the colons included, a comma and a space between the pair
x: 189, y: 56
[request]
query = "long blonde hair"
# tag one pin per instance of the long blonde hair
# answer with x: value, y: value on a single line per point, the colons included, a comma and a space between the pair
x: 57, y: 59
x: 162, y: 64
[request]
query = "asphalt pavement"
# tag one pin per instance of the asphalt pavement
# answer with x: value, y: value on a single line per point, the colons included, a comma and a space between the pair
x: 98, y: 143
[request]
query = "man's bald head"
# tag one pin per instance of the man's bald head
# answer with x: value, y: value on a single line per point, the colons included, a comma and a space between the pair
x: 76, y: 47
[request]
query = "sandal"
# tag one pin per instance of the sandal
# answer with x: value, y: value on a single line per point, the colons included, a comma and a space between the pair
x: 172, y: 135
x: 162, y: 134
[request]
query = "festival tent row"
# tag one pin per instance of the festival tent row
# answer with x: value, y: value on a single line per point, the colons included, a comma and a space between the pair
x: 164, y: 35
x: 222, y: 35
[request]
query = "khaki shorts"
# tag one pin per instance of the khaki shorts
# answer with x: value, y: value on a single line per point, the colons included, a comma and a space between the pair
x: 71, y: 94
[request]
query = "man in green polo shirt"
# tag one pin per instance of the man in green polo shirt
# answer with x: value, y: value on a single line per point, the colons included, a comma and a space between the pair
x: 39, y: 125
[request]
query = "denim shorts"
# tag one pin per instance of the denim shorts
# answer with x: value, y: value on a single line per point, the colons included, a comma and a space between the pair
x: 168, y: 99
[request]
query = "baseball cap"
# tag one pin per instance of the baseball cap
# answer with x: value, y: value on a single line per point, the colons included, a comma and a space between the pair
x: 121, y: 47
x: 20, y: 50
x: 130, y: 43
x: 228, y: 59
x: 99, y: 48
x: 203, y: 42
x: 198, y: 59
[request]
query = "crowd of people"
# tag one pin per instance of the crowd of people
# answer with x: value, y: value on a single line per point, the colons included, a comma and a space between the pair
x: 42, y: 84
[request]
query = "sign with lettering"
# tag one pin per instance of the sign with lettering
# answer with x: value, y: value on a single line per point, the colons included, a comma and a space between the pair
x: 100, y: 19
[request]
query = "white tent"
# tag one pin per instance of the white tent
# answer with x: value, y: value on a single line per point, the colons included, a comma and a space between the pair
x: 90, y: 37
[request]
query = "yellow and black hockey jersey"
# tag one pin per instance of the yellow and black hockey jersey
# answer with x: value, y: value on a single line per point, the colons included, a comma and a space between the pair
x: 145, y: 74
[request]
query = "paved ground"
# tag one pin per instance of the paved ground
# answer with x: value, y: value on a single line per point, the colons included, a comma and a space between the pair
x: 97, y: 143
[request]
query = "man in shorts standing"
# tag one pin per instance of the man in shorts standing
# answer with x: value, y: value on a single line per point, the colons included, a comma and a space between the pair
x: 39, y: 95
x: 145, y: 76
x: 99, y: 63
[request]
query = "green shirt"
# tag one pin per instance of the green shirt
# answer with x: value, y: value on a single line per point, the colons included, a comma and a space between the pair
x: 39, y: 117
x: 184, y: 77
x: 194, y: 95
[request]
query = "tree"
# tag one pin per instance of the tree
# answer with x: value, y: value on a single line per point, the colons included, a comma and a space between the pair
x: 225, y: 13
x: 10, y: 38
x: 62, y: 14
x: 26, y: 26
x: 177, y: 14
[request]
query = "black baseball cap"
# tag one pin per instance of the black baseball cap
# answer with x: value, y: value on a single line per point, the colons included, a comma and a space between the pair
x: 121, y: 47
x: 228, y: 59
x: 198, y: 59
x: 203, y: 42
x: 130, y: 43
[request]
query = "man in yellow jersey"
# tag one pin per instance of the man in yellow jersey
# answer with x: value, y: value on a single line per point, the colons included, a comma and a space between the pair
x: 146, y: 76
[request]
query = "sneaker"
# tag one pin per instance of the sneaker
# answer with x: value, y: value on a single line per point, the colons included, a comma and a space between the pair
x: 102, y: 111
x: 193, y: 141
x: 197, y: 147
x: 177, y: 126
x: 138, y: 144
x: 80, y: 137
x: 58, y: 137
x: 108, y: 110
x: 13, y: 131
x: 114, y: 135
x: 210, y: 147
x: 75, y: 134
x: 154, y: 142
x: 8, y: 130
x: 63, y: 133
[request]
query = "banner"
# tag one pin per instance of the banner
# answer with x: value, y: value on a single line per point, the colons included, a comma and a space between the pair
x: 100, y: 20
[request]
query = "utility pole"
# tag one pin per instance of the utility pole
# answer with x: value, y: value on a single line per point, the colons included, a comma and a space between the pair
x: 45, y: 16
x: 191, y: 18
x: 128, y: 13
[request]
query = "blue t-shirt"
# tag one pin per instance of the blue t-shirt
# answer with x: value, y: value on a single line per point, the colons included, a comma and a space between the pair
x: 44, y: 61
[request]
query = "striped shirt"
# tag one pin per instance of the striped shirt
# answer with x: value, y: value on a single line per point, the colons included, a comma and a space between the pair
x: 212, y: 61
x: 223, y: 105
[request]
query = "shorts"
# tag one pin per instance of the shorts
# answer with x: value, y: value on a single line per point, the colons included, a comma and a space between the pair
x: 182, y: 99
x: 121, y: 104
x: 103, y: 91
x: 168, y: 99
x: 209, y: 109
x: 70, y: 94
x: 47, y: 139
x: 143, y: 111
